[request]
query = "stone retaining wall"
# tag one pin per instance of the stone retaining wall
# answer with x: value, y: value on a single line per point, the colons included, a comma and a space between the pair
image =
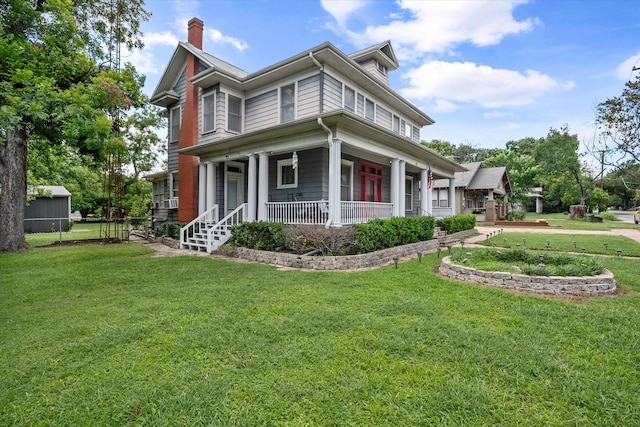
x: 602, y: 284
x: 346, y: 262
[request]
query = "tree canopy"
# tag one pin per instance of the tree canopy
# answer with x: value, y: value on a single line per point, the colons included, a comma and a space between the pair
x: 56, y: 86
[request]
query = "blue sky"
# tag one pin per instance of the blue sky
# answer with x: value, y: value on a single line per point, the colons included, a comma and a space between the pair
x: 486, y: 71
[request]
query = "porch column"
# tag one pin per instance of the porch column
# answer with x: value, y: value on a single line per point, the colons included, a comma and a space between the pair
x: 402, y: 190
x: 335, y: 211
x: 395, y: 187
x: 452, y: 195
x: 211, y: 185
x: 425, y: 193
x: 263, y: 186
x: 252, y: 197
x: 202, y: 188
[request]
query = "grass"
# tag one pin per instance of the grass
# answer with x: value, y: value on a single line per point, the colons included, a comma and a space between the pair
x: 562, y: 220
x: 107, y: 335
x: 79, y: 231
x: 592, y: 244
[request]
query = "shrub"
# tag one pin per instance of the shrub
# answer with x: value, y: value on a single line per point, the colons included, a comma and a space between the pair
x: 515, y: 216
x: 302, y: 239
x: 387, y: 233
x: 455, y: 223
x: 261, y: 235
x: 608, y: 216
x: 170, y: 230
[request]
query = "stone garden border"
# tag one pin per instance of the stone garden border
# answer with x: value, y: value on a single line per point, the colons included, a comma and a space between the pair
x: 347, y: 262
x: 602, y: 284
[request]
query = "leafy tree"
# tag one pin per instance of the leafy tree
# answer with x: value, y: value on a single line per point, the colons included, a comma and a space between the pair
x: 52, y: 88
x: 618, y: 125
x: 143, y: 145
x: 462, y: 153
x: 598, y: 199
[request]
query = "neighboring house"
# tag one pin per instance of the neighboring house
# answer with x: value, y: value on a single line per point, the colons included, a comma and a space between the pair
x: 49, y: 210
x: 319, y: 138
x: 477, y: 190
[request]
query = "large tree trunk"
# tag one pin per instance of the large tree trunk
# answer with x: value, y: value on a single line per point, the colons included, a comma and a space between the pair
x: 13, y: 190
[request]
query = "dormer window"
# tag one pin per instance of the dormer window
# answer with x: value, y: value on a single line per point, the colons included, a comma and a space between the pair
x: 382, y: 69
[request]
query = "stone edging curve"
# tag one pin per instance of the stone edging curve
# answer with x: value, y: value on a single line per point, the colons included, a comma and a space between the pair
x: 602, y: 284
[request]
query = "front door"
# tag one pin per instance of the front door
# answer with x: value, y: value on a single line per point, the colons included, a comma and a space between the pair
x: 233, y: 186
x: 370, y: 182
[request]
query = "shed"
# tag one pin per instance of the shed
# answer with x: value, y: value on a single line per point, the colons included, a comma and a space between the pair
x: 50, y: 211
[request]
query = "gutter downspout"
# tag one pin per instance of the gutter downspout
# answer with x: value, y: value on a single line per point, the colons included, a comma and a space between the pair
x: 321, y: 68
x: 332, y: 175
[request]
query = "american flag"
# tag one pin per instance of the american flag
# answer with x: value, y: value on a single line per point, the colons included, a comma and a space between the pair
x: 429, y: 178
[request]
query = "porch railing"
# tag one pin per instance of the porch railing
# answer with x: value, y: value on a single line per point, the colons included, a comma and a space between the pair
x: 442, y: 212
x: 359, y: 212
x: 310, y: 212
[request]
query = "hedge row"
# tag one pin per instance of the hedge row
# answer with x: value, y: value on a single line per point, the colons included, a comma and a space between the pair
x: 453, y: 224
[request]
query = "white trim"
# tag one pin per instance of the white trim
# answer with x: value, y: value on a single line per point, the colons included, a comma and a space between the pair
x: 240, y: 177
x: 226, y: 116
x: 171, y: 189
x: 350, y: 164
x: 346, y: 87
x: 287, y: 162
x: 179, y: 108
x: 408, y: 191
x: 295, y: 102
x: 202, y: 111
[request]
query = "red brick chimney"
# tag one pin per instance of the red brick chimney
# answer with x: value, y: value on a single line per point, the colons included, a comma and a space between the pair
x: 188, y: 165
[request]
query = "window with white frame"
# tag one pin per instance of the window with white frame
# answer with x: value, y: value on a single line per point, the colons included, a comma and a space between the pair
x: 287, y: 175
x: 287, y: 103
x: 234, y: 113
x: 443, y: 197
x: 349, y: 99
x: 174, y: 124
x: 173, y: 182
x: 408, y: 193
x: 382, y: 68
x: 396, y: 124
x: 346, y: 180
x: 208, y: 112
x: 158, y: 193
x: 369, y: 110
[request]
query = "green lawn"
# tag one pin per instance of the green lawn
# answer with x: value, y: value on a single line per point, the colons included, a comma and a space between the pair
x: 107, y: 335
x: 79, y: 231
x: 562, y: 220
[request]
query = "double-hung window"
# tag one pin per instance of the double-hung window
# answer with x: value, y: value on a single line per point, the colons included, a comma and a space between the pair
x: 346, y: 180
x: 287, y: 174
x: 234, y: 114
x: 408, y: 193
x: 174, y: 124
x: 288, y: 103
x: 369, y: 110
x: 349, y: 99
x: 208, y: 112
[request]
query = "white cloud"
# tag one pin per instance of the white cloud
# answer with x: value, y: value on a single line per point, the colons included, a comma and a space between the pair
x: 466, y: 82
x: 166, y: 38
x: 438, y: 26
x: 144, y: 61
x: 624, y: 71
x: 342, y: 9
x: 492, y: 115
x: 216, y: 36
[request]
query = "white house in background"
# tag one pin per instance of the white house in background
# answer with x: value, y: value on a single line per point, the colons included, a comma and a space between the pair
x: 318, y: 138
x: 477, y: 190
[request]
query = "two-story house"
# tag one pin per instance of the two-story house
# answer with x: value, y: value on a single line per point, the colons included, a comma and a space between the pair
x: 318, y: 138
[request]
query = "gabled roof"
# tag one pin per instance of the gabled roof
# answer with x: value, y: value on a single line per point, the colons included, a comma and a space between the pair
x: 49, y: 190
x: 164, y: 89
x: 217, y: 71
x: 478, y: 178
x: 382, y: 52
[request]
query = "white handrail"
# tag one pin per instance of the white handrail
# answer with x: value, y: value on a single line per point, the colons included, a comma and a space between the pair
x: 203, y: 221
x: 236, y: 217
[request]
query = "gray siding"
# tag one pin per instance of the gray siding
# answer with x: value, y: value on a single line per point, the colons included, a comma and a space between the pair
x: 261, y: 111
x: 312, y: 182
x: 45, y: 207
x: 332, y: 94
x: 360, y: 104
x: 309, y: 96
x: 383, y: 117
x: 371, y: 66
x: 181, y: 89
